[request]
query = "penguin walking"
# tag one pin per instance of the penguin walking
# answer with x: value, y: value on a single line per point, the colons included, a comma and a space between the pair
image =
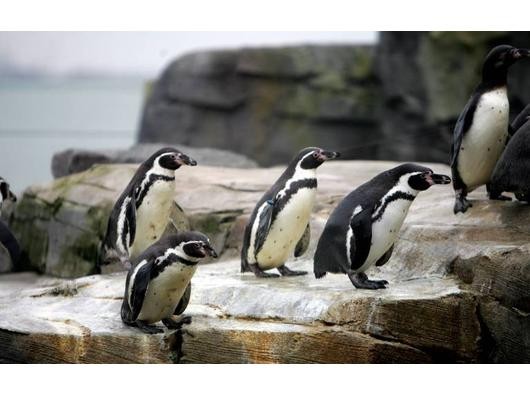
x: 141, y: 213
x: 279, y: 223
x: 158, y: 284
x: 7, y: 239
x: 512, y: 172
x: 481, y: 131
x: 363, y: 228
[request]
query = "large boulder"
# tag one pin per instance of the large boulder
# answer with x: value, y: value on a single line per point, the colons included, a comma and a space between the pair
x: 60, y: 225
x: 265, y: 103
x: 72, y: 161
x: 397, y: 100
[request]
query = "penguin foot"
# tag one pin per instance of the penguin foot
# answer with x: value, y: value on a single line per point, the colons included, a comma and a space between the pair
x: 501, y: 198
x: 461, y: 205
x: 149, y: 329
x: 360, y: 280
x: 260, y: 273
x: 285, y: 271
x: 176, y: 323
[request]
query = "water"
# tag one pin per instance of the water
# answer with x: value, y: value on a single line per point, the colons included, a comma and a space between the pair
x: 39, y: 117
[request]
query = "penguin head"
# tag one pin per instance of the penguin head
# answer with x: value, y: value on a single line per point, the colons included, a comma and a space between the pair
x: 172, y: 159
x: 418, y: 177
x: 6, y: 192
x: 499, y: 59
x: 194, y: 245
x: 312, y: 157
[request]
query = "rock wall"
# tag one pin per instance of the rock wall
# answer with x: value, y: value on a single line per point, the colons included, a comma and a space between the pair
x: 398, y: 100
x: 266, y: 103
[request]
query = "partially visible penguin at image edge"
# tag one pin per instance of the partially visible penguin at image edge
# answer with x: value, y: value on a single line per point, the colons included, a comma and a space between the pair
x: 279, y: 224
x: 363, y: 228
x: 512, y: 173
x: 141, y: 213
x: 7, y: 239
x: 481, y: 131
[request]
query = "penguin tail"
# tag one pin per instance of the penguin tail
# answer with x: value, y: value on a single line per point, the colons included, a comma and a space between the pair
x: 320, y: 274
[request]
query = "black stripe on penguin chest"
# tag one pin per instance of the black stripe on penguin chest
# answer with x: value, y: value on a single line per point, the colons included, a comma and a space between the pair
x: 142, y: 193
x: 392, y: 198
x: 171, y: 259
x: 309, y: 183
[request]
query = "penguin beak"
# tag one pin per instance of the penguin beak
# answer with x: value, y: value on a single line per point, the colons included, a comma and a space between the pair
x: 12, y: 196
x: 521, y: 53
x: 208, y: 250
x: 328, y: 155
x: 183, y: 159
x: 433, y: 179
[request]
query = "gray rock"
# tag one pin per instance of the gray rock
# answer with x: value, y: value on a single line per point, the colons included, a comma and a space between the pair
x: 266, y: 103
x: 72, y: 161
x: 398, y: 100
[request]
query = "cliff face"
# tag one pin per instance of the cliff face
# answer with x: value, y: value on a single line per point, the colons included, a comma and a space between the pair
x: 397, y: 100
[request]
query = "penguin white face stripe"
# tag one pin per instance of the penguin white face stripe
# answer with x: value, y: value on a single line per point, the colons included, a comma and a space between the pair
x: 156, y: 170
x: 299, y: 174
x: 403, y: 187
x: 179, y: 252
x: 123, y: 248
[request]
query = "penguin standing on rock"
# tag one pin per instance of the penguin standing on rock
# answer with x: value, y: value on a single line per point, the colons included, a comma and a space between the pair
x: 363, y: 228
x: 512, y: 173
x: 481, y: 131
x: 158, y: 284
x: 7, y: 239
x: 141, y: 213
x: 279, y: 223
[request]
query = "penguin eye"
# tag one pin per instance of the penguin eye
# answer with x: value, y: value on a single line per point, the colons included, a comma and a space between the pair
x: 315, y: 154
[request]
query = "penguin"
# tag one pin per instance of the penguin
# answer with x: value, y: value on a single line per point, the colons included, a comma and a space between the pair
x: 7, y: 239
x: 363, y: 228
x: 279, y: 224
x: 5, y: 192
x: 142, y: 211
x: 481, y: 131
x: 158, y: 285
x: 512, y: 172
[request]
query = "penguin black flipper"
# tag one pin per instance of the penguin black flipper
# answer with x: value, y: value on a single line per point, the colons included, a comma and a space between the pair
x: 184, y: 301
x: 385, y: 258
x: 264, y: 224
x: 138, y: 288
x: 10, y: 243
x: 303, y: 243
x: 130, y: 215
x: 361, y: 225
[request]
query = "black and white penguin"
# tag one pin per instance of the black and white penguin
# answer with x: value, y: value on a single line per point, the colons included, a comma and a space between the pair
x: 142, y: 212
x: 512, y: 172
x: 7, y: 239
x: 279, y: 224
x: 481, y: 131
x: 363, y: 228
x: 158, y: 284
x: 5, y: 192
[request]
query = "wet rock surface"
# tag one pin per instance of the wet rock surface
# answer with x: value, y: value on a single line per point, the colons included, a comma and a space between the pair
x: 458, y: 284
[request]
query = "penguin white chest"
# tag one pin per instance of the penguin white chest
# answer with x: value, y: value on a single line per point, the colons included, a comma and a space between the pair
x: 152, y: 216
x: 165, y: 291
x: 485, y: 140
x: 287, y: 229
x: 385, y: 230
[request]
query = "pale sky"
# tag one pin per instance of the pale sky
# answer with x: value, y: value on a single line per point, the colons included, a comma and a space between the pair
x: 140, y: 53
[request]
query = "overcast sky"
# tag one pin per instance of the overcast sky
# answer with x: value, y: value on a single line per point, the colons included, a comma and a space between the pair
x: 139, y: 53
